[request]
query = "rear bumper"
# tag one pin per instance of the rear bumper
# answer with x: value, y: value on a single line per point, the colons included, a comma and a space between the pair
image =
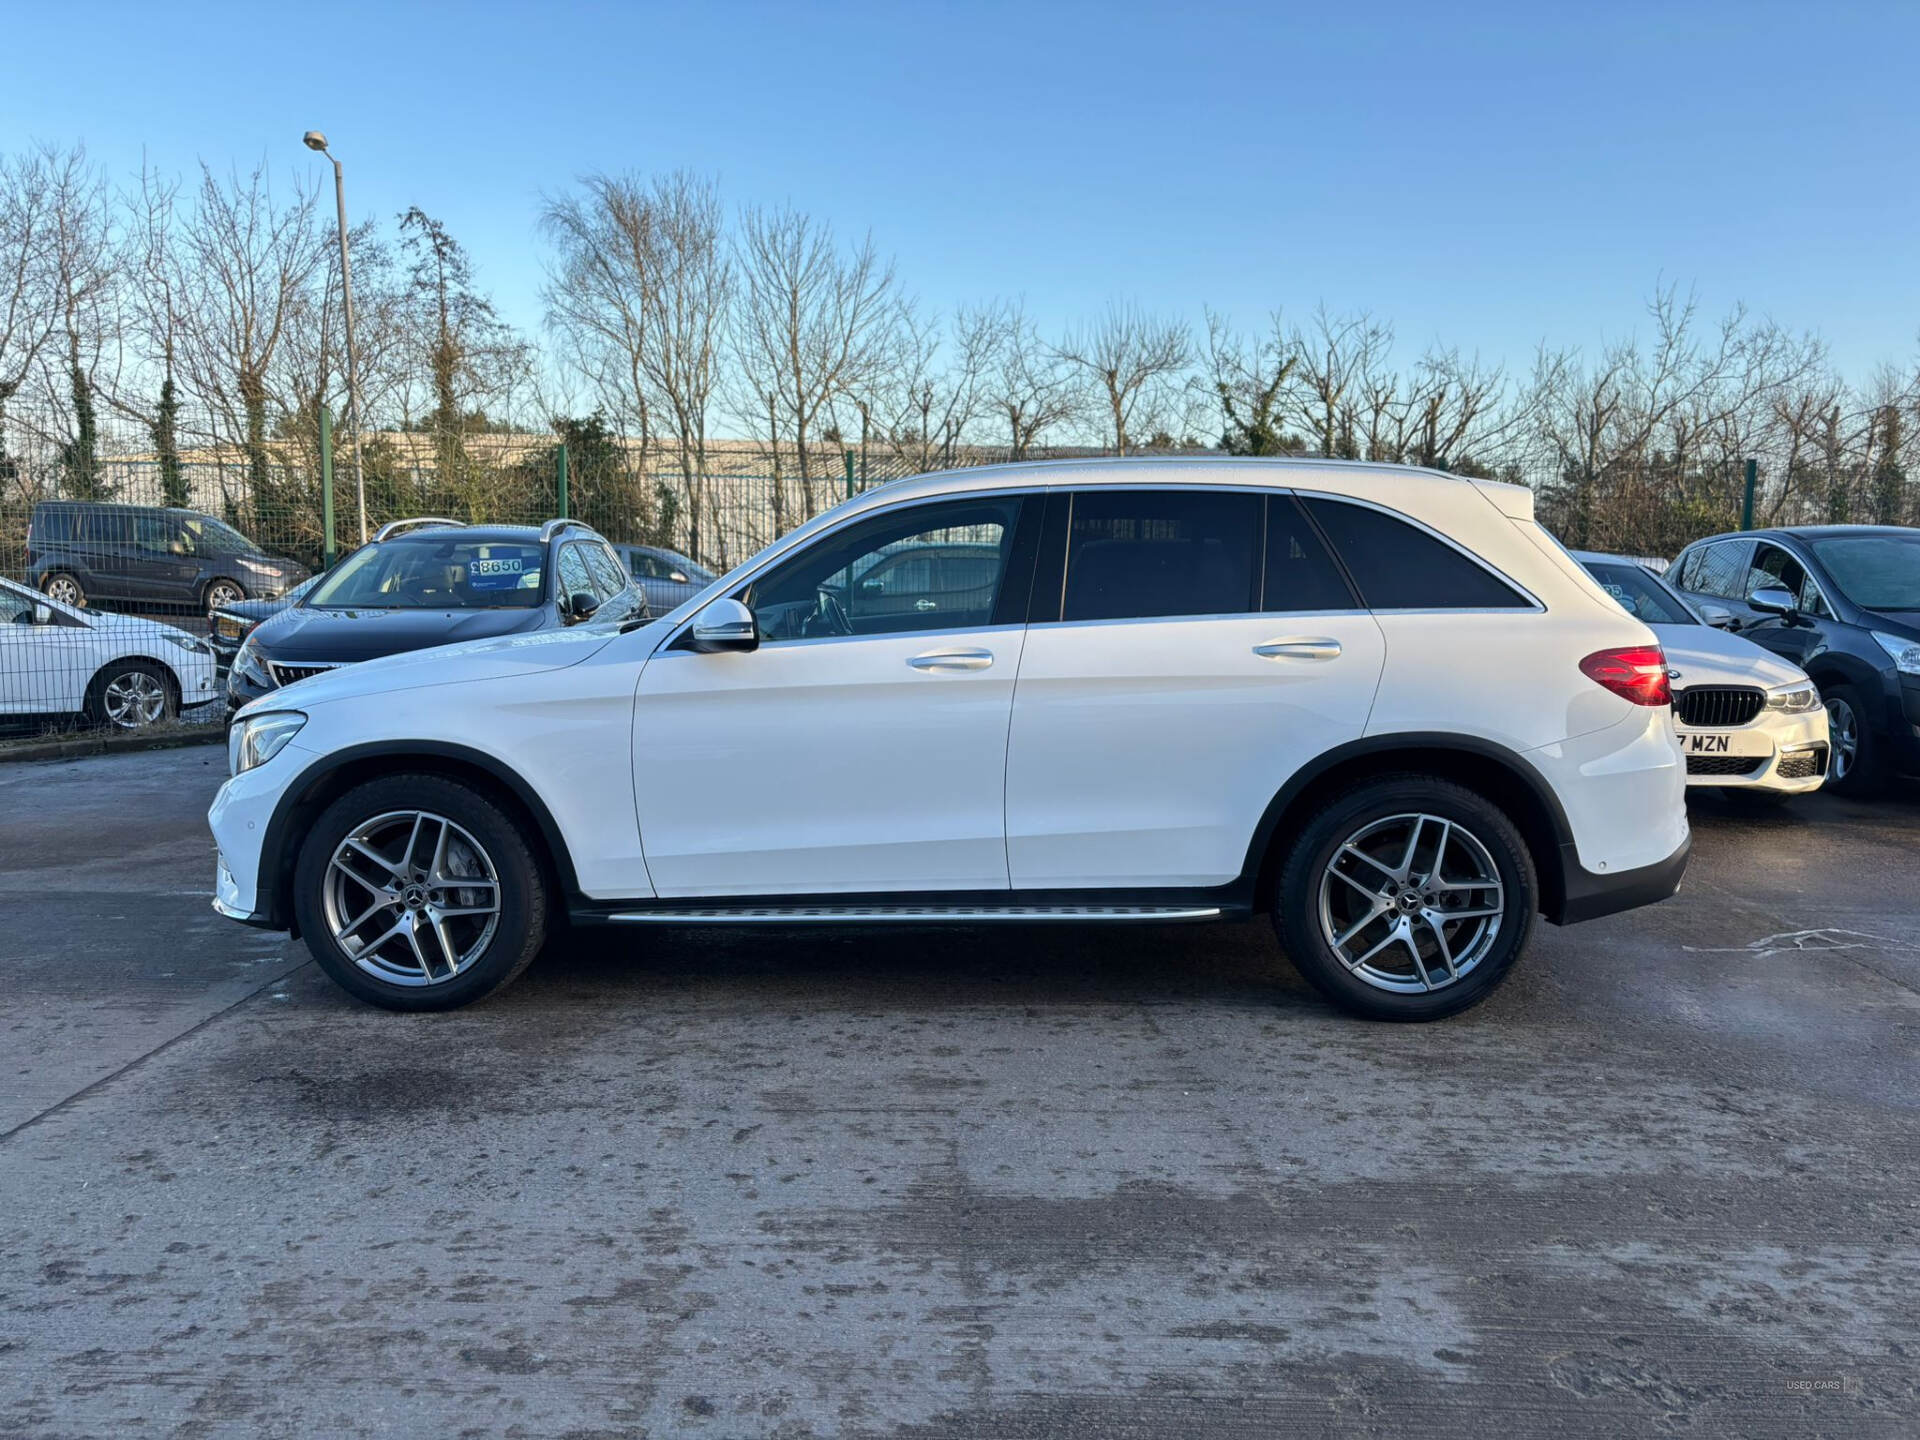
x: 1588, y: 896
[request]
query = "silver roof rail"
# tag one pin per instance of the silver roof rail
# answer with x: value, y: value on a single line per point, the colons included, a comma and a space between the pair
x: 554, y: 527
x: 394, y: 527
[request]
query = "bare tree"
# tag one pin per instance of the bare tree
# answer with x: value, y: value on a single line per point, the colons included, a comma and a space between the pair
x: 1249, y: 379
x: 247, y: 264
x: 814, y: 323
x: 1026, y: 384
x: 151, y: 274
x: 933, y: 387
x: 1334, y: 356
x: 1129, y: 358
x: 28, y: 315
x: 80, y: 256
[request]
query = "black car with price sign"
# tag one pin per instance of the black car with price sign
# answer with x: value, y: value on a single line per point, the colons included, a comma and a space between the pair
x: 420, y: 583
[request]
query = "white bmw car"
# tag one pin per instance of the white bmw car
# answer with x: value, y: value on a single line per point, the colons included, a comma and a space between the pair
x: 119, y: 671
x: 1747, y: 719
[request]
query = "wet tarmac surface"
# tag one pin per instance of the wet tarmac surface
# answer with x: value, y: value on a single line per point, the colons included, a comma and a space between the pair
x: 1086, y: 1183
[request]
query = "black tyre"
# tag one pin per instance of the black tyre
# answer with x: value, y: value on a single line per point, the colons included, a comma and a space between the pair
x: 65, y: 587
x: 1407, y: 898
x: 1853, y: 753
x: 416, y: 892
x: 131, y: 695
x: 221, y: 592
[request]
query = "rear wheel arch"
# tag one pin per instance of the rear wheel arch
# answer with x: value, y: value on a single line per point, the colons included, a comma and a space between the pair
x: 330, y: 778
x: 1499, y: 775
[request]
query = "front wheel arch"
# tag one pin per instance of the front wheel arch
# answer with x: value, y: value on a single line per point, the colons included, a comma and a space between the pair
x: 334, y: 775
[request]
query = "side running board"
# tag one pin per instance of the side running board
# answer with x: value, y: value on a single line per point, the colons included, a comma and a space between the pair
x: 910, y: 914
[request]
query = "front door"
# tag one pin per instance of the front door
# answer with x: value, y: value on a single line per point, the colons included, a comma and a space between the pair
x: 862, y: 747
x: 1203, y: 647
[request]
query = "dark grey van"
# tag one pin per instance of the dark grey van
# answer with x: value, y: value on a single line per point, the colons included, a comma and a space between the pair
x: 83, y: 552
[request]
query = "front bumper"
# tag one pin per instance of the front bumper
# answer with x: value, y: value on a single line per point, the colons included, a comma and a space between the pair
x: 1776, y: 752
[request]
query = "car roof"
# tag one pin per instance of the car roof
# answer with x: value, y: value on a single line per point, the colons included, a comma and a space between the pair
x: 484, y: 534
x: 1806, y: 532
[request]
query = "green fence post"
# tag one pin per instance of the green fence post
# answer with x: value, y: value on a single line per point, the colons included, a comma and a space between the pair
x: 326, y: 487
x: 560, y: 477
x: 1746, y: 508
x: 849, y: 474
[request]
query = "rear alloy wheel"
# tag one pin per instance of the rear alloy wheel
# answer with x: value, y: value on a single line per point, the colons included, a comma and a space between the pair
x: 224, y: 592
x: 65, y: 588
x: 417, y: 892
x: 131, y: 695
x: 1407, y: 898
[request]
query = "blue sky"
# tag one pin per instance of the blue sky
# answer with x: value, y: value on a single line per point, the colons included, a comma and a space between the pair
x: 1487, y: 175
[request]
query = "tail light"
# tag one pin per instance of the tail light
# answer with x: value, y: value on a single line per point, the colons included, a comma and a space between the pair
x: 1637, y: 673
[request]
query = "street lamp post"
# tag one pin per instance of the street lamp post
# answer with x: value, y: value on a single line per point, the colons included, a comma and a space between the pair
x: 314, y: 140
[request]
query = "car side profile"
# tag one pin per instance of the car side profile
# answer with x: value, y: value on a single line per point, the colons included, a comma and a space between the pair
x: 1843, y: 603
x: 115, y: 671
x: 87, y: 552
x: 1748, y: 719
x: 1380, y: 704
x: 429, y: 581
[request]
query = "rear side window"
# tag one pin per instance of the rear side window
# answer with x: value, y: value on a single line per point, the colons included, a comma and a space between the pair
x: 1144, y: 554
x: 1398, y: 566
x: 1300, y: 574
x: 1719, y: 569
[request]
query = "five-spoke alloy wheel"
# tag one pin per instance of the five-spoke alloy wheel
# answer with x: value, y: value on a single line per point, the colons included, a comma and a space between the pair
x: 420, y: 892
x: 1406, y: 898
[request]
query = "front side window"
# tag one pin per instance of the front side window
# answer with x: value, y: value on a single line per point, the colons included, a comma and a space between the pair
x: 1875, y: 572
x: 1150, y: 554
x: 1774, y: 568
x: 435, y: 574
x: 1398, y: 566
x: 204, y: 535
x: 575, y: 578
x: 884, y: 576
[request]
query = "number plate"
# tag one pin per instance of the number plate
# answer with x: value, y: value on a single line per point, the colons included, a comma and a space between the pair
x: 1724, y: 742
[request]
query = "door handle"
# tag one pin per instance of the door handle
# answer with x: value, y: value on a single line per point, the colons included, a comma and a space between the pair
x: 1314, y: 648
x: 939, y: 660
x: 924, y: 604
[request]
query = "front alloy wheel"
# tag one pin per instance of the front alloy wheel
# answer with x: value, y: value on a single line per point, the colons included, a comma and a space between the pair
x: 420, y: 892
x: 130, y: 696
x: 65, y: 589
x: 224, y: 592
x: 412, y: 898
x: 1844, y: 725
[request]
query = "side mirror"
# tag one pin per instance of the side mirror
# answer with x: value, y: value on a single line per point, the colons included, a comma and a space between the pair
x: 1773, y: 600
x: 678, y: 577
x: 581, y: 605
x: 1718, y: 616
x: 724, y: 624
x: 43, y: 614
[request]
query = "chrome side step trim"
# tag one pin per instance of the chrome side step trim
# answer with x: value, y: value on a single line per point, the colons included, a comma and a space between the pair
x: 911, y: 914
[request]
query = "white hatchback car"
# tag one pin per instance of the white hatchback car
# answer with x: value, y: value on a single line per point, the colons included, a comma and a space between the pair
x: 1747, y: 718
x: 1381, y: 704
x: 119, y: 671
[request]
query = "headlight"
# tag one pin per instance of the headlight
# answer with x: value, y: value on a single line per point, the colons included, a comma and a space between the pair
x: 1794, y: 698
x: 1905, y: 653
x: 258, y: 738
x: 228, y: 627
x: 248, y: 662
x: 191, y: 643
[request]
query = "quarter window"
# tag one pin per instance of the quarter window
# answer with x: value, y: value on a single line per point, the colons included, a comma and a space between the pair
x: 1143, y: 554
x: 1398, y: 566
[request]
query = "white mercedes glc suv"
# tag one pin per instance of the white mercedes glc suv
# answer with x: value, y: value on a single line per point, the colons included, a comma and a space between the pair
x: 1380, y: 704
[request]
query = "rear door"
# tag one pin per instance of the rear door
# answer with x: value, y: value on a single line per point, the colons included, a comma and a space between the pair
x: 1190, y: 649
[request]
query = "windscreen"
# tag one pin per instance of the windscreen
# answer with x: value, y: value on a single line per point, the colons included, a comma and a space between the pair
x: 1640, y: 595
x: 1876, y: 572
x: 438, y: 573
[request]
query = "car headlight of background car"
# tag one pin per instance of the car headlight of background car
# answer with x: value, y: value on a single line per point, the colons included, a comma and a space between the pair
x: 1905, y: 653
x: 258, y: 738
x: 193, y: 644
x: 247, y: 661
x: 228, y: 627
x: 1794, y: 699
